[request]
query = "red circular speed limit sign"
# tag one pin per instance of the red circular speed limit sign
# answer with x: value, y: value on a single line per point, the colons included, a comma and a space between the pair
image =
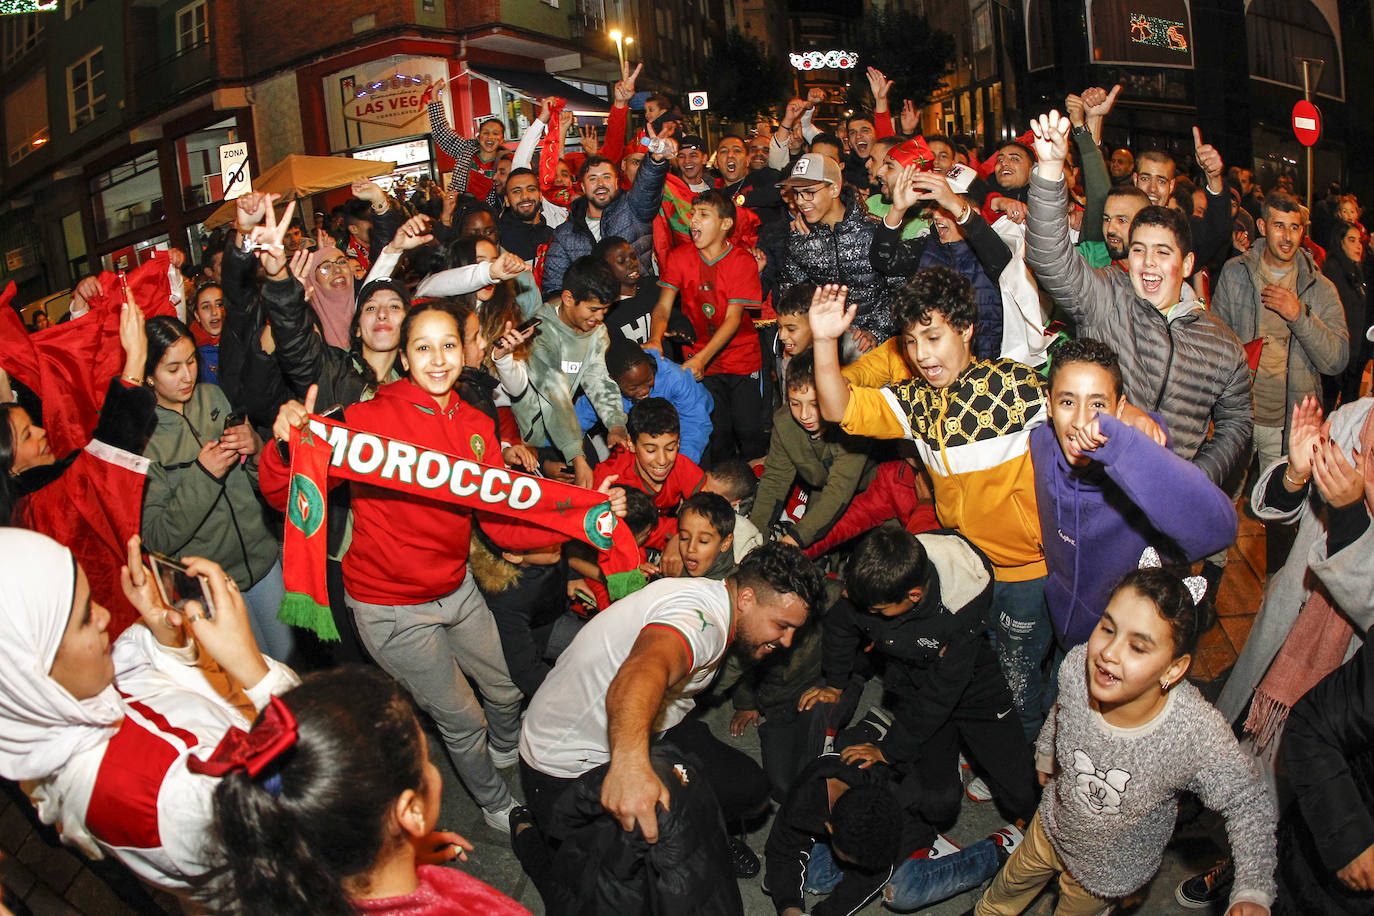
x: 1307, y: 123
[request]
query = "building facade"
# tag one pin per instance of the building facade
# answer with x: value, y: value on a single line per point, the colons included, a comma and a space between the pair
x: 115, y: 110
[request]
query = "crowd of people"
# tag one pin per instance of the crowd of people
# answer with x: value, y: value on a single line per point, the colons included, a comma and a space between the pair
x: 545, y: 457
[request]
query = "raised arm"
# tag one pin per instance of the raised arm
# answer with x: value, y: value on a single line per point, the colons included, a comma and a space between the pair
x: 1061, y: 270
x: 830, y: 317
x: 632, y: 790
x: 1088, y: 112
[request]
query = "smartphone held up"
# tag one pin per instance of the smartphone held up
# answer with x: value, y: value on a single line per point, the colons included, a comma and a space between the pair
x: 178, y: 585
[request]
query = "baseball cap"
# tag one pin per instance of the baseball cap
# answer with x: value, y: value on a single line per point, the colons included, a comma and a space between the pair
x: 813, y: 168
x: 690, y: 141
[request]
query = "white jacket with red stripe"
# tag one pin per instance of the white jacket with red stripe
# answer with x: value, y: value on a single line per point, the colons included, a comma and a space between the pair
x: 132, y: 796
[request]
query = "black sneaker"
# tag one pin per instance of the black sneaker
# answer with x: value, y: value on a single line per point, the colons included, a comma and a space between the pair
x: 1205, y: 889
x: 746, y: 863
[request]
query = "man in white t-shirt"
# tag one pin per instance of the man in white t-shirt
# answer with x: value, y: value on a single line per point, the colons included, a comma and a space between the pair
x: 633, y: 669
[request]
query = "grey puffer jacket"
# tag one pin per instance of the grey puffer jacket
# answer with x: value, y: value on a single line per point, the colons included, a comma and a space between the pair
x: 1188, y: 367
x: 1320, y: 344
x: 839, y: 254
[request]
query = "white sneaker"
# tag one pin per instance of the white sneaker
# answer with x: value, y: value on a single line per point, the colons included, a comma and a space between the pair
x: 504, y: 760
x: 498, y: 819
x: 977, y: 790
x: 1008, y: 837
x: 941, y: 847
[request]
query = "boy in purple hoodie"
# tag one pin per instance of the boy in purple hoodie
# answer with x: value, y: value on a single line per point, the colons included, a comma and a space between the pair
x: 1106, y: 491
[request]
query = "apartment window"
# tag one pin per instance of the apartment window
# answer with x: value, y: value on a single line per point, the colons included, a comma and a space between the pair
x: 193, y: 28
x: 86, y: 89
x: 127, y: 197
x: 73, y: 7
x: 20, y: 35
x: 26, y: 118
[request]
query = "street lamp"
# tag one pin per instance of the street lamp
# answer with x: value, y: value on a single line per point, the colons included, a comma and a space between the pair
x: 620, y: 42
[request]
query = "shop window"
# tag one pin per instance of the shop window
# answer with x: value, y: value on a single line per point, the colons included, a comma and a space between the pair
x: 1278, y: 32
x: 198, y: 163
x: 26, y: 118
x: 982, y: 28
x: 19, y: 35
x: 86, y: 89
x: 193, y: 27
x: 1141, y: 32
x: 130, y: 256
x: 127, y: 197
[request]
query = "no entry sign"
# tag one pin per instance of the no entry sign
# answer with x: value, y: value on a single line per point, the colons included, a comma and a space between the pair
x: 1307, y: 123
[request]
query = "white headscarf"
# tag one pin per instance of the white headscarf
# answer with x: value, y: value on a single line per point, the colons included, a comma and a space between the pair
x: 41, y: 724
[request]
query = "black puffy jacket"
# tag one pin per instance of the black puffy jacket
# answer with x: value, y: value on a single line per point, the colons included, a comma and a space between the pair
x: 840, y: 254
x: 688, y: 872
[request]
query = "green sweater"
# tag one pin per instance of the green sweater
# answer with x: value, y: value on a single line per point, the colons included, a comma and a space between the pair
x: 561, y: 362
x: 187, y: 512
x: 834, y: 465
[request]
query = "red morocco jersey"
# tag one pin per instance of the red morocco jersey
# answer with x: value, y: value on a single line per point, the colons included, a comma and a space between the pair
x: 707, y: 289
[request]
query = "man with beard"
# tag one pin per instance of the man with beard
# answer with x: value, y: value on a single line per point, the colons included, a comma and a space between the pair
x: 630, y: 676
x: 604, y: 210
x: 524, y: 224
x: 1122, y: 204
x: 882, y: 172
x: 1275, y: 292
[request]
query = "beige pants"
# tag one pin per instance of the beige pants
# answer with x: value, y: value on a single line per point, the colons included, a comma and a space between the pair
x: 1026, y: 873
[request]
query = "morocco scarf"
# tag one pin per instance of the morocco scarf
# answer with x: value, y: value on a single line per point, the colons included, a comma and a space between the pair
x: 327, y: 449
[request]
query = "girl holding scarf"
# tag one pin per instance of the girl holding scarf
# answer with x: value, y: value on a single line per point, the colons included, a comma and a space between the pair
x: 418, y: 610
x: 107, y: 734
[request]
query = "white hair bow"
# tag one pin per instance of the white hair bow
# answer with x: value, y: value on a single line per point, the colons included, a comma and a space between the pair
x: 1196, y: 585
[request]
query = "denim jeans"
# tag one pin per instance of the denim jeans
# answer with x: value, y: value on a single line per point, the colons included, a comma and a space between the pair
x: 823, y: 873
x: 923, y: 882
x: 275, y: 639
x: 1019, y: 623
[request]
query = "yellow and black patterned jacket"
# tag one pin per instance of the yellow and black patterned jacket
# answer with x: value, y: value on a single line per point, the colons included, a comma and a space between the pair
x: 974, y: 438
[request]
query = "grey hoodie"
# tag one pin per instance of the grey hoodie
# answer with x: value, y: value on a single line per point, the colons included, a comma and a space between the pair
x: 562, y: 361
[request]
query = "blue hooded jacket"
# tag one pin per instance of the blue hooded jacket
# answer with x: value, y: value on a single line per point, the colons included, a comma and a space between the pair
x: 1096, y: 520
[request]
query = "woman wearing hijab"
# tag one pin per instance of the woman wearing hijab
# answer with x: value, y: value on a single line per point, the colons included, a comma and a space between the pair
x: 108, y: 734
x: 328, y: 284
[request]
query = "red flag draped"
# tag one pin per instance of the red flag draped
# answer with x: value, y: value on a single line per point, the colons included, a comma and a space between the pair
x: 69, y: 365
x: 550, y: 151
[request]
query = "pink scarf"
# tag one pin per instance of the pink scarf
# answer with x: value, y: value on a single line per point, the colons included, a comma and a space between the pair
x: 334, y: 307
x: 1314, y: 648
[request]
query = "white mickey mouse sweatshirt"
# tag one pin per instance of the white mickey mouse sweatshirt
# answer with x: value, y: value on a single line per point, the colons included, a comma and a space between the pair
x: 1110, y: 810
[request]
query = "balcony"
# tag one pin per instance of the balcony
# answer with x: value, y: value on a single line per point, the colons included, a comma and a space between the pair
x: 173, y: 78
